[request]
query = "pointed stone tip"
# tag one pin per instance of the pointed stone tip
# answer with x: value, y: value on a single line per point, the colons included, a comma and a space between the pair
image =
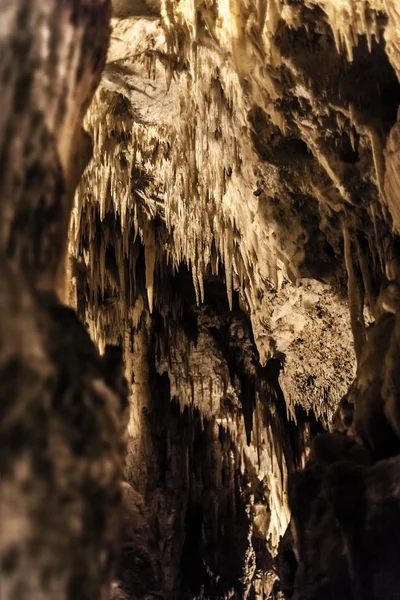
x: 150, y: 298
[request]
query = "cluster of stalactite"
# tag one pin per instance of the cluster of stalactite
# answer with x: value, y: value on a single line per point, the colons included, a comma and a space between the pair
x: 269, y: 174
x: 210, y: 445
x: 209, y: 358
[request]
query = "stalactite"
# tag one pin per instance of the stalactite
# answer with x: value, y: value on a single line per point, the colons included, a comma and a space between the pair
x: 355, y: 302
x: 366, y: 278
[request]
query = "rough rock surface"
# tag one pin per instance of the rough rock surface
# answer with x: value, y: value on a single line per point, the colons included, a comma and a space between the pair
x: 344, y: 504
x: 61, y: 445
x: 344, y: 512
x: 62, y: 405
x: 249, y: 144
x: 235, y: 233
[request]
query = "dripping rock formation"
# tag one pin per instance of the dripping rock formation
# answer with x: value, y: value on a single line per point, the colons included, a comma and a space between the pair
x: 200, y: 299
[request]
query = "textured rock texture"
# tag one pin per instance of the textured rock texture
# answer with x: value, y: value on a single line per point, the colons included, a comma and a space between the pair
x: 235, y: 233
x: 61, y: 403
x: 345, y: 503
x: 344, y: 511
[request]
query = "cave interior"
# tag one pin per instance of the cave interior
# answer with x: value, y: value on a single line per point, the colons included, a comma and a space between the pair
x: 200, y: 299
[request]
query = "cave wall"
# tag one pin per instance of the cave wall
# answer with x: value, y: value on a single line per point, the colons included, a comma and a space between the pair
x: 62, y: 440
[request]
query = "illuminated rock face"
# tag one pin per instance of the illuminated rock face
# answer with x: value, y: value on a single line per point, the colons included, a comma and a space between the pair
x: 232, y: 232
x: 248, y: 144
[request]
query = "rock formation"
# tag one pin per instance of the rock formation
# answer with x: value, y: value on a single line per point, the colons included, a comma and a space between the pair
x: 62, y: 435
x: 226, y: 221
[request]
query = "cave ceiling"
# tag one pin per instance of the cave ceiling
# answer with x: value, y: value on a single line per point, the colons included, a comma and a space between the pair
x: 255, y: 142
